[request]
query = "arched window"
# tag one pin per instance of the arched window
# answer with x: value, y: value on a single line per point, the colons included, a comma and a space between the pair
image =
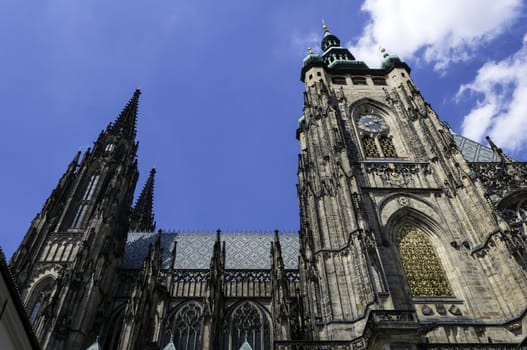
x: 186, y: 327
x: 374, y: 132
x: 423, y: 269
x: 249, y: 322
x: 38, y: 301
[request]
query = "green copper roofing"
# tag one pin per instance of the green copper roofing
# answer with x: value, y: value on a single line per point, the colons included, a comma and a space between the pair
x: 388, y: 60
x: 311, y: 57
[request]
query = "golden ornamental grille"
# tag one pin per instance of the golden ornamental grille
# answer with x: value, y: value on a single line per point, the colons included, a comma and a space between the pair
x: 387, y: 147
x: 423, y: 269
x: 370, y: 148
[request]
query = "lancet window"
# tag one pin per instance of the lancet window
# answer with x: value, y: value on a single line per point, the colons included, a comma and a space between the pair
x: 247, y: 321
x: 186, y: 327
x: 39, y: 300
x: 424, y: 271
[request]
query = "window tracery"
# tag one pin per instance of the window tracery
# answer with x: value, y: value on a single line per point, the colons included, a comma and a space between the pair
x: 39, y: 301
x: 247, y: 320
x: 424, y: 271
x: 186, y: 327
x: 516, y: 215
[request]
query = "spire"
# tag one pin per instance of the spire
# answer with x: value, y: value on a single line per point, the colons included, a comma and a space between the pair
x: 329, y: 39
x: 142, y: 215
x: 125, y: 122
x: 503, y: 157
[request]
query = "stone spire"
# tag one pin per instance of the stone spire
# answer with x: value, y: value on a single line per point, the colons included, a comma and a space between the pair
x: 126, y: 121
x: 142, y: 215
x: 498, y: 151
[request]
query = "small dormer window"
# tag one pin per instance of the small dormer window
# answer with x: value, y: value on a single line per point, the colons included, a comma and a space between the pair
x: 109, y: 147
x: 359, y: 81
x: 379, y: 81
x: 338, y: 80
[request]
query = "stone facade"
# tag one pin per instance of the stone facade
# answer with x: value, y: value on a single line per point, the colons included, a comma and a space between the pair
x: 410, y: 238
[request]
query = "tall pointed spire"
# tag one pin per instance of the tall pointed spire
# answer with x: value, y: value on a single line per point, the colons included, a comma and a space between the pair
x: 126, y: 121
x: 142, y: 216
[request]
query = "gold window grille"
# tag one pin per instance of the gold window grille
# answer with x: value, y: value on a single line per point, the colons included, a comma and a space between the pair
x: 424, y: 272
x: 370, y: 148
x: 387, y: 147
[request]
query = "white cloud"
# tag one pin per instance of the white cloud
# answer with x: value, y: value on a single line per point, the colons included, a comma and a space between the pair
x: 446, y: 31
x: 501, y: 110
x: 300, y: 43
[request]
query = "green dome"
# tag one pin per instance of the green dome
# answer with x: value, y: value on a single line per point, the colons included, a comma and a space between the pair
x: 389, y: 60
x: 311, y: 57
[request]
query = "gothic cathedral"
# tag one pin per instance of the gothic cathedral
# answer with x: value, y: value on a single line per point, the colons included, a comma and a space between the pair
x: 410, y: 238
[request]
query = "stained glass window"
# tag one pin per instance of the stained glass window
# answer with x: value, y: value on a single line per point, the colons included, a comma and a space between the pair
x: 249, y: 322
x: 186, y: 327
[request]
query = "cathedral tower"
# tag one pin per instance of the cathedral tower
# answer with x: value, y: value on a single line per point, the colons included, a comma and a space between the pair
x: 396, y: 228
x: 68, y: 259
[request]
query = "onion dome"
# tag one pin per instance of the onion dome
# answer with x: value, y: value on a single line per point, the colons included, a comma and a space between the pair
x: 329, y: 39
x: 311, y: 57
x: 389, y: 60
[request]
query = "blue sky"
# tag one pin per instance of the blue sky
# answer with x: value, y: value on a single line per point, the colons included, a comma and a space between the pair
x: 221, y: 92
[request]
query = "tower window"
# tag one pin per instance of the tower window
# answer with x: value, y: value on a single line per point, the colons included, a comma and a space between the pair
x: 359, y: 81
x: 387, y: 147
x: 79, y: 217
x: 338, y: 80
x: 423, y: 269
x: 379, y: 81
x: 370, y: 148
x: 91, y: 187
x: 109, y: 147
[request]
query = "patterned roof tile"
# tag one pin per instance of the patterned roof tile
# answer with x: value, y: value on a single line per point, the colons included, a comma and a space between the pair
x: 194, y: 250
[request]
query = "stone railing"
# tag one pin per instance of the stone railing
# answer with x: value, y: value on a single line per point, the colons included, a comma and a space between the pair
x: 377, y: 320
x: 492, y: 346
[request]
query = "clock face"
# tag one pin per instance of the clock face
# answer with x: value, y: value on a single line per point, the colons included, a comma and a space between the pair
x: 372, y: 123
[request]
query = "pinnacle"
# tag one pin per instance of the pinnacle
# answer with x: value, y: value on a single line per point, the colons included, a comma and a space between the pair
x: 142, y: 215
x: 127, y: 119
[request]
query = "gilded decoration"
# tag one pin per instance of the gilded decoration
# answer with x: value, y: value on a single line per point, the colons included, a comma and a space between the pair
x: 422, y: 267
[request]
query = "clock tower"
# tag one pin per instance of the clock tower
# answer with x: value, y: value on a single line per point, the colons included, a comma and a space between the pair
x: 397, y: 232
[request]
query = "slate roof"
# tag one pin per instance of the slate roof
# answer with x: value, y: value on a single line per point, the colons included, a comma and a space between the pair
x: 474, y: 151
x: 194, y: 250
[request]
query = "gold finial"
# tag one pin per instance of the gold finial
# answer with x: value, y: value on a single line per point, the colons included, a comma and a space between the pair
x: 324, y: 26
x: 309, y: 50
